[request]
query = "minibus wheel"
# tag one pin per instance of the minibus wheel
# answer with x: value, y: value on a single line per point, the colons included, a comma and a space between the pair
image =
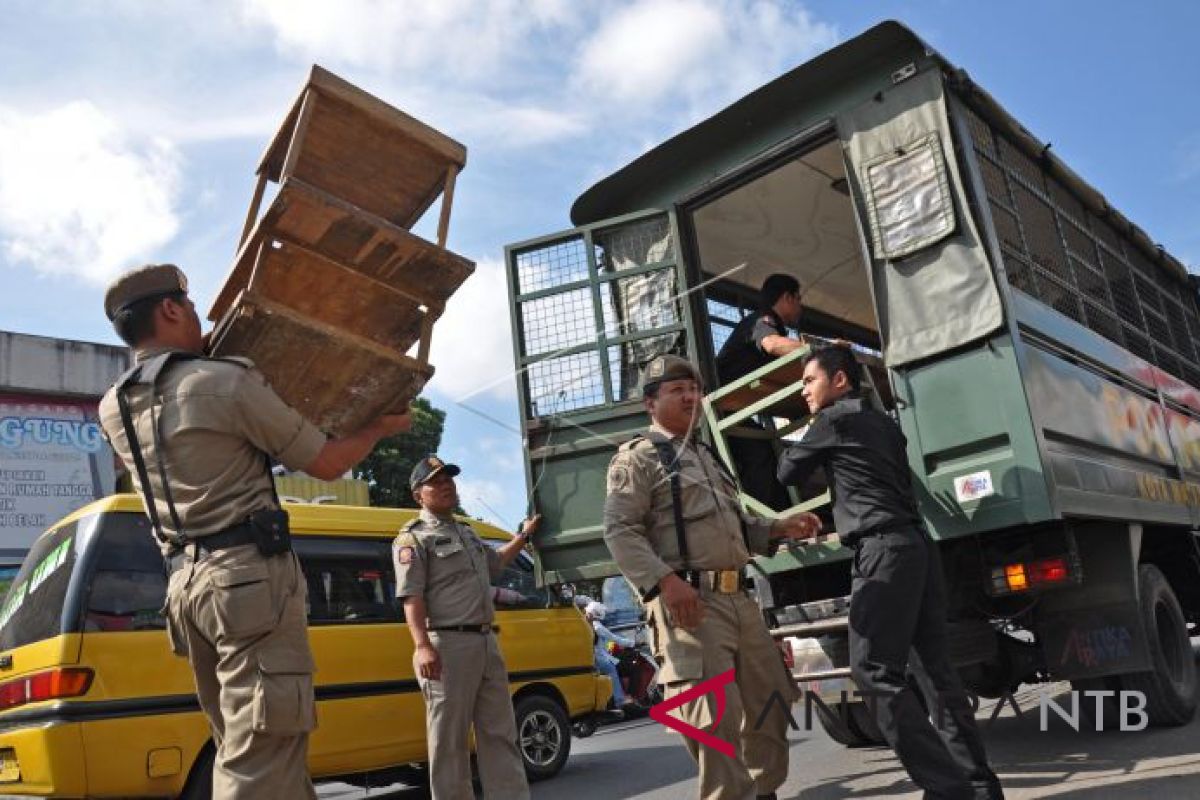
x: 543, y: 735
x: 200, y: 779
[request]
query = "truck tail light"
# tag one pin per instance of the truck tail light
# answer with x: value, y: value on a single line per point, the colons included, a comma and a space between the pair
x: 789, y: 657
x: 1041, y: 574
x: 50, y: 685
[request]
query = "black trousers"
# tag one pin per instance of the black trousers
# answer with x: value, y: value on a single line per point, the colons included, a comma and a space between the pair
x: 898, y: 628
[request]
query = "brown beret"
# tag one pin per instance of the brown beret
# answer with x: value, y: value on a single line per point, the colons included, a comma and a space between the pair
x: 138, y: 284
x: 667, y: 368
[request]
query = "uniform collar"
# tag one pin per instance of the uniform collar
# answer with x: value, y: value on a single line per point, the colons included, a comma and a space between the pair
x: 432, y: 519
x: 675, y: 439
x: 143, y: 355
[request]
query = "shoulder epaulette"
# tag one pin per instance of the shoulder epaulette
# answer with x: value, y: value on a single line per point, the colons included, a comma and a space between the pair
x: 632, y: 443
x: 412, y: 523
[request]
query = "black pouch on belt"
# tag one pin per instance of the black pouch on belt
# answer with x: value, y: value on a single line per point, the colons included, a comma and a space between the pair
x: 269, y: 527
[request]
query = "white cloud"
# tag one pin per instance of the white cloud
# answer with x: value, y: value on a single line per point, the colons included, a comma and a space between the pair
x: 81, y: 196
x: 644, y: 50
x: 449, y: 37
x: 472, y: 342
x: 703, y: 52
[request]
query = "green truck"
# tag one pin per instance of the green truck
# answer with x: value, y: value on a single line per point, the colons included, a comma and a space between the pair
x: 1040, y: 352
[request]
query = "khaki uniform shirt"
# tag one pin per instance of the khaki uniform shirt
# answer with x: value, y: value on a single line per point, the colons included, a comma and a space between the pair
x: 639, y: 522
x: 215, y: 420
x: 445, y: 562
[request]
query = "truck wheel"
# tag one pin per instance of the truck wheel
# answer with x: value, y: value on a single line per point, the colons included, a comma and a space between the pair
x: 1170, y: 686
x: 543, y: 736
x: 859, y: 728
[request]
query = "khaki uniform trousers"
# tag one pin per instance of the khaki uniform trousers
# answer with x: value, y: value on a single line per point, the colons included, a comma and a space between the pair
x: 473, y: 690
x: 239, y: 617
x: 733, y: 636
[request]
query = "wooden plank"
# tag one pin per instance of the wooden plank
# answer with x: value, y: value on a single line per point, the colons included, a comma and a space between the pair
x: 391, y: 255
x: 308, y: 103
x: 447, y: 201
x: 251, y: 215
x: 337, y: 380
x: 360, y: 148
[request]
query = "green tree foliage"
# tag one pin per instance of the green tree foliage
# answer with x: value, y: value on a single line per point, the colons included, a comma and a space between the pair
x: 387, y: 468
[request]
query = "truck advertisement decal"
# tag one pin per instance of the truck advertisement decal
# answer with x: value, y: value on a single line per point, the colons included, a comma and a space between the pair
x: 52, y: 461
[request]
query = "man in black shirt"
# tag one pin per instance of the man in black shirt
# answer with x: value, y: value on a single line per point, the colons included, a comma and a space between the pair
x: 898, y: 596
x: 754, y: 342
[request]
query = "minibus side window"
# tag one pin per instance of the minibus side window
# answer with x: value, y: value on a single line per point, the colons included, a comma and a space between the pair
x: 349, y: 580
x: 519, y: 577
x: 128, y: 585
x: 33, y: 610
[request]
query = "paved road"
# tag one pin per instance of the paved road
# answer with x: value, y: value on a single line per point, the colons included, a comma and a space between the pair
x: 642, y: 760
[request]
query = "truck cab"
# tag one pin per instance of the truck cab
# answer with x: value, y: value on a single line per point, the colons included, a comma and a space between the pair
x: 1037, y: 349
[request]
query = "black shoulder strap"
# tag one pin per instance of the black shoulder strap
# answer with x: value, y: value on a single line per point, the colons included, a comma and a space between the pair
x: 721, y: 465
x: 670, y: 462
x: 147, y: 373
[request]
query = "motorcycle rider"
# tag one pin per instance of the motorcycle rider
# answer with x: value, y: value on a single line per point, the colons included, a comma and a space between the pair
x: 606, y: 663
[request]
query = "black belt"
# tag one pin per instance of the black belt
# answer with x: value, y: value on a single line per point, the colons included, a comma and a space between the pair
x: 221, y: 540
x: 486, y: 627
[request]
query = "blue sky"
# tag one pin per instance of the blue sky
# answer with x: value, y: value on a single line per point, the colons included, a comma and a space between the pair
x: 129, y: 132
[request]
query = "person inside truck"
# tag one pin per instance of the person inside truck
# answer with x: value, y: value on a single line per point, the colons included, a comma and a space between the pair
x: 754, y: 342
x: 897, y: 598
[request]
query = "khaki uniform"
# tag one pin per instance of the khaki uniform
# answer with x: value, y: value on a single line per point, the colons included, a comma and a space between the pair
x: 444, y: 561
x: 639, y: 528
x: 238, y: 616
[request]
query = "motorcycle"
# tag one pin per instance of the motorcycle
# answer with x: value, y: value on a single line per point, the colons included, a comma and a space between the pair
x: 638, y: 672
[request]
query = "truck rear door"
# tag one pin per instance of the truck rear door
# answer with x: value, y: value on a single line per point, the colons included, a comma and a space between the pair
x: 591, y: 306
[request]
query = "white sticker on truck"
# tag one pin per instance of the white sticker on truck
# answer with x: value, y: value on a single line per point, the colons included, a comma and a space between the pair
x: 975, y: 486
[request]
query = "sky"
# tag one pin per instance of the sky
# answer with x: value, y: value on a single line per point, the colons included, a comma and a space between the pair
x: 130, y: 131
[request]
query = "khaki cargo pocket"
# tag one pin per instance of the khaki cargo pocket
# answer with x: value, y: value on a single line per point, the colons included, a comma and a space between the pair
x: 172, y: 615
x: 678, y: 650
x: 242, y: 600
x: 283, y: 703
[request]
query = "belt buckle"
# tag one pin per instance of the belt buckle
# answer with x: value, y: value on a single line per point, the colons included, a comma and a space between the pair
x: 728, y: 581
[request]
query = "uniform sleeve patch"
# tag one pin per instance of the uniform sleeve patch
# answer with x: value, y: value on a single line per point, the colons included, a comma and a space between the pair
x: 406, y: 539
x: 619, y: 478
x: 406, y: 554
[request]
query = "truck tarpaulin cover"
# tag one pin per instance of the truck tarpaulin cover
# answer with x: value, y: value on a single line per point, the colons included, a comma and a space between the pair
x: 932, y: 281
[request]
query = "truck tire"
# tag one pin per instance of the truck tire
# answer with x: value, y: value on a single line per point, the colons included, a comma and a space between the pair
x: 1170, y: 687
x: 859, y: 729
x: 543, y: 736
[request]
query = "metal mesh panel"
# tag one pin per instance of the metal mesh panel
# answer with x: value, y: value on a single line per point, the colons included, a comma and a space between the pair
x: 1075, y: 260
x: 1058, y: 295
x: 1094, y: 286
x: 980, y: 133
x: 1120, y: 281
x: 1179, y: 331
x: 558, y: 321
x: 1147, y: 292
x: 1106, y: 234
x: 564, y: 384
x: 1020, y: 274
x: 1103, y: 322
x: 1021, y: 165
x: 1079, y: 243
x: 552, y: 265
x: 1160, y: 332
x: 994, y: 182
x: 1067, y: 203
x: 1041, y: 235
x: 1139, y: 344
x: 639, y: 244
